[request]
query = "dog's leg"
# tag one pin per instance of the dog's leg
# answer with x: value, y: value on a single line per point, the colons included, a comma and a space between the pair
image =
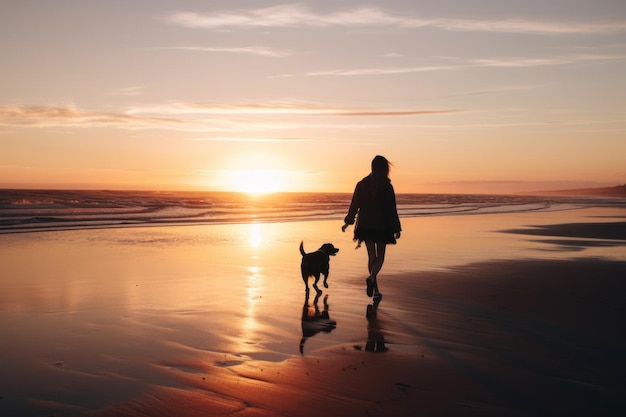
x: 305, y: 278
x: 317, y: 278
x: 325, y: 272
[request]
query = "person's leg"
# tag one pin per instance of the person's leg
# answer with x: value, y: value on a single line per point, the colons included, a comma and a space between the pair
x: 371, y: 259
x: 380, y: 249
x: 371, y: 254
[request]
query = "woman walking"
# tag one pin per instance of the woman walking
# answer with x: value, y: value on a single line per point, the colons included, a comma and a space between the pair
x: 374, y: 209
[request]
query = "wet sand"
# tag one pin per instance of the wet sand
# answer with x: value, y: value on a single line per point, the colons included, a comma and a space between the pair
x: 503, y: 315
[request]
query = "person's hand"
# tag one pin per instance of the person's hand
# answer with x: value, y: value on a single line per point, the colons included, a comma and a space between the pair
x: 397, y: 235
x: 344, y: 227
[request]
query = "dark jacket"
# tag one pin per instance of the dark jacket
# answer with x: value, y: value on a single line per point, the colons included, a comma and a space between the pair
x: 375, y: 212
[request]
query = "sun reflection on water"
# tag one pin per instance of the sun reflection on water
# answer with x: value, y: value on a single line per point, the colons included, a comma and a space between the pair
x: 254, y: 287
x: 255, y: 237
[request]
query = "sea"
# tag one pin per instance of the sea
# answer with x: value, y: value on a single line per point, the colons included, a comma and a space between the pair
x: 54, y: 210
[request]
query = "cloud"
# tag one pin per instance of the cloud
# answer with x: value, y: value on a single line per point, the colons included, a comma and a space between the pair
x: 587, y: 125
x: 469, y: 94
x: 191, y: 117
x: 247, y: 139
x: 523, y: 26
x: 127, y: 91
x: 250, y: 50
x: 501, y: 62
x: 280, y: 16
x: 378, y: 71
x: 70, y: 116
x: 520, y: 62
x: 297, y: 16
x: 280, y: 109
x: 399, y: 113
x: 538, y: 62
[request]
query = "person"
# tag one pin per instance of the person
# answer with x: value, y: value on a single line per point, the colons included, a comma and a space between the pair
x: 373, y: 208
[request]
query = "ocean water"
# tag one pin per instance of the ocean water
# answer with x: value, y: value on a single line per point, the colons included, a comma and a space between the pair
x: 50, y: 210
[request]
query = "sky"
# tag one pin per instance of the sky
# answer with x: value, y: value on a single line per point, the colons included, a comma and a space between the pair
x: 463, y: 96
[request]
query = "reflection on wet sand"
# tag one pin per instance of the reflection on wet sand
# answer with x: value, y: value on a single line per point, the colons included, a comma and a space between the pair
x: 314, y: 320
x: 375, y: 337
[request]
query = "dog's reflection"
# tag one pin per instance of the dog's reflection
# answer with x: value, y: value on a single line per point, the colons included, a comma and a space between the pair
x: 314, y: 320
x: 375, y: 337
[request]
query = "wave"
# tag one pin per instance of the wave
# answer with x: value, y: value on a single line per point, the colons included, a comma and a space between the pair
x: 47, y: 210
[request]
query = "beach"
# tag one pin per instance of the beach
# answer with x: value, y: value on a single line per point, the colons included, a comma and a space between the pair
x: 495, y: 314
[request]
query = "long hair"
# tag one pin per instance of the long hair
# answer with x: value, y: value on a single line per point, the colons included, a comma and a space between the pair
x: 380, y: 174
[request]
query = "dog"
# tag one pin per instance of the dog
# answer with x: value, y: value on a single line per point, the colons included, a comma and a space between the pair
x: 316, y: 263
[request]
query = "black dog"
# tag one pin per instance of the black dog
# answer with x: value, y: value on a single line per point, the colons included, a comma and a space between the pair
x: 316, y: 263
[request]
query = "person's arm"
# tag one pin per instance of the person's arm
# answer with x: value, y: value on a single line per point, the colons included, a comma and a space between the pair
x: 393, y: 213
x: 352, y: 211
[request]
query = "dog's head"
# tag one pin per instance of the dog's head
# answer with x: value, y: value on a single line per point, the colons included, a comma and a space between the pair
x: 329, y: 249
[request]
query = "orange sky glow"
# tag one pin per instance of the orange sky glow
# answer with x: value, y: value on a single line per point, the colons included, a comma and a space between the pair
x: 237, y: 96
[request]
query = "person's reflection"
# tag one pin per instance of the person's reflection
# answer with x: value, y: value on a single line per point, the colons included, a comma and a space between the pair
x: 375, y: 337
x: 314, y: 320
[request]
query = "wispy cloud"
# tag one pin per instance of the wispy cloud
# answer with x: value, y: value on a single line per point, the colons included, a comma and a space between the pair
x: 126, y: 91
x: 462, y: 64
x: 595, y: 125
x: 196, y: 117
x: 524, y: 26
x: 290, y: 16
x: 539, y: 62
x: 250, y: 50
x: 70, y: 116
x: 377, y: 71
x: 247, y: 139
x: 398, y: 113
x: 280, y: 109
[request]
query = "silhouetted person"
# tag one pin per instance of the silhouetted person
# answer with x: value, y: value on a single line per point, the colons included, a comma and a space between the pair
x: 374, y: 208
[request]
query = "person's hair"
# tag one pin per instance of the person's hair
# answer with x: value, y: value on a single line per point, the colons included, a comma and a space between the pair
x: 380, y: 174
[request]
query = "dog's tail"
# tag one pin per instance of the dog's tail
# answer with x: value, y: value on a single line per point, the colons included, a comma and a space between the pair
x: 302, y: 248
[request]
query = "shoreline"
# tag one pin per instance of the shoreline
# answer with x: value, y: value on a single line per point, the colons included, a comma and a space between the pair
x: 56, y: 210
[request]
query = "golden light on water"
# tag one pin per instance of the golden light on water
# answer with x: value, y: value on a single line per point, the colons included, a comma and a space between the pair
x: 255, y: 237
x: 249, y: 324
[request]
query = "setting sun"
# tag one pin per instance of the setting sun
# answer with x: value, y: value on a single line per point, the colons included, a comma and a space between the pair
x: 258, y: 181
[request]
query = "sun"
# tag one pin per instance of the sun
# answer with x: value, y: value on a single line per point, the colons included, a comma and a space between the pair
x: 258, y: 181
